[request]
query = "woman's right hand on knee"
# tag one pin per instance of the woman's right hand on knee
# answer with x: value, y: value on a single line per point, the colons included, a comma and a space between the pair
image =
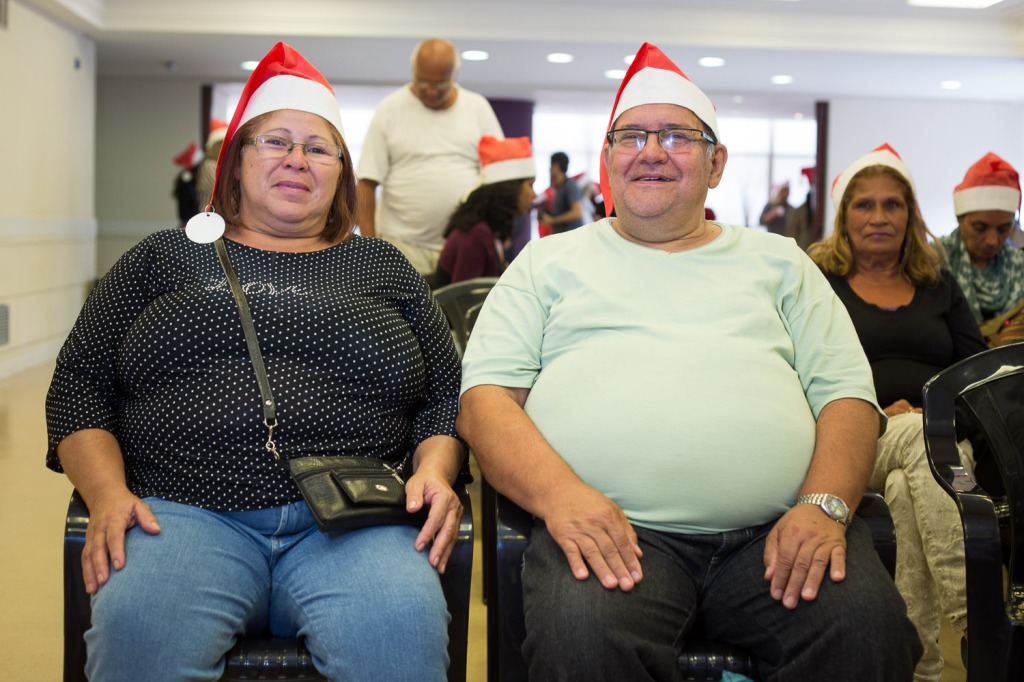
x: 110, y: 517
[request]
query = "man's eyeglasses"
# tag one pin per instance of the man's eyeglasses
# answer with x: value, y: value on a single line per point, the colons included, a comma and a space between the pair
x: 436, y: 85
x: 672, y: 140
x: 277, y: 147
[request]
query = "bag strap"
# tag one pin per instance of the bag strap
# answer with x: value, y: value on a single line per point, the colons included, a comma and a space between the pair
x: 266, y: 395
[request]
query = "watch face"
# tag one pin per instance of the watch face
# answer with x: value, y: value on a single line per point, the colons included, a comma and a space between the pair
x: 836, y: 508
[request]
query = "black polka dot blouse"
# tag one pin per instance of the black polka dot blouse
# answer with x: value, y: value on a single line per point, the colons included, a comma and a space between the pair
x: 359, y: 355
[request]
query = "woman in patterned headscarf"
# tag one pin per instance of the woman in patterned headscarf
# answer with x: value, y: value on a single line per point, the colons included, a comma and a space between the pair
x: 989, y: 270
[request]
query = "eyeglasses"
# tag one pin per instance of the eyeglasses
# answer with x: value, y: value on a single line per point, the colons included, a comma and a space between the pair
x: 436, y: 85
x: 277, y: 147
x: 672, y: 140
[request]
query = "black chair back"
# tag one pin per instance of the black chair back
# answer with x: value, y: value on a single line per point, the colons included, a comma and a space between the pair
x: 461, y: 303
x: 987, y: 392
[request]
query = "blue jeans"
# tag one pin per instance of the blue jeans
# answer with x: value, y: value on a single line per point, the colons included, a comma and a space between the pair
x: 855, y: 630
x: 369, y: 606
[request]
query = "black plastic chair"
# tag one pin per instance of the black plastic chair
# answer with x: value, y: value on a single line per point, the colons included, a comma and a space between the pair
x: 462, y: 302
x: 700, y: 660
x: 458, y: 301
x: 974, y: 394
x: 267, y: 657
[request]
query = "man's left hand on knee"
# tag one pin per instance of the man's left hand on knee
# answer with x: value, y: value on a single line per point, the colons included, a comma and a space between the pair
x: 799, y: 550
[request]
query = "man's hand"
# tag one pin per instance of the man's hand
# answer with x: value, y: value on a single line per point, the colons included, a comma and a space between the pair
x: 592, y: 530
x: 800, y: 548
x: 110, y: 517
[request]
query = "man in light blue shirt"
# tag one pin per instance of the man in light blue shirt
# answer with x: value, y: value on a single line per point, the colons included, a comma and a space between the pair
x: 685, y: 407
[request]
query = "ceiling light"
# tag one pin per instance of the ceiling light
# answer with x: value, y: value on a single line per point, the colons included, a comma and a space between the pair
x: 782, y: 80
x: 950, y: 85
x: 711, y: 62
x: 249, y: 66
x: 798, y: 115
x: 475, y: 55
x: 737, y: 99
x: 615, y: 74
x: 560, y: 58
x: 954, y: 4
x: 629, y: 59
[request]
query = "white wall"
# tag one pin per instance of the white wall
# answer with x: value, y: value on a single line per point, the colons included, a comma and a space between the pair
x: 47, y: 215
x: 937, y: 140
x: 142, y: 125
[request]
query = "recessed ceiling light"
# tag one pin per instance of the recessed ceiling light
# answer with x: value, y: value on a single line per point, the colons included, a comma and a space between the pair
x: 249, y: 66
x: 615, y: 74
x: 475, y: 55
x: 737, y: 99
x: 560, y: 58
x: 955, y: 4
x: 950, y: 85
x: 629, y: 59
x: 798, y: 115
x: 711, y: 62
x: 782, y: 80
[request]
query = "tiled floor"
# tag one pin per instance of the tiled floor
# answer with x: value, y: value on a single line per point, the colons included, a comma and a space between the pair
x: 32, y: 505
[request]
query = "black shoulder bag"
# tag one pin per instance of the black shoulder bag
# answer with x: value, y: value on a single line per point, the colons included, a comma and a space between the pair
x: 343, y: 492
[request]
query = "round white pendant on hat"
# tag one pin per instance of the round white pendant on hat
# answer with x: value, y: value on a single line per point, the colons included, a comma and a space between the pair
x: 205, y: 227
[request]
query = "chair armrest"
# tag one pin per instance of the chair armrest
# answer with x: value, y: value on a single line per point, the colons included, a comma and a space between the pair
x: 512, y: 534
x: 875, y: 513
x: 456, y: 585
x: 77, y: 607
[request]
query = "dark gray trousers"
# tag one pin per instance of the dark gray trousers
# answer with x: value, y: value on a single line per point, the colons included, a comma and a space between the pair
x: 855, y: 630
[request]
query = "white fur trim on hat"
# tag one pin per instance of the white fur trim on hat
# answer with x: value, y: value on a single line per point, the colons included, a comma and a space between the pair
x: 509, y: 169
x: 294, y: 92
x: 661, y: 86
x: 883, y: 156
x: 986, y: 198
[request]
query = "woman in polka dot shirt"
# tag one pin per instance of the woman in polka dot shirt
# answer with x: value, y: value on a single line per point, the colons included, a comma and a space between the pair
x: 196, y: 534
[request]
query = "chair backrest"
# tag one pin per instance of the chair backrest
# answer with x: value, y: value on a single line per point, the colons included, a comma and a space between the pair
x: 263, y: 657
x: 700, y: 660
x: 461, y: 303
x: 988, y: 390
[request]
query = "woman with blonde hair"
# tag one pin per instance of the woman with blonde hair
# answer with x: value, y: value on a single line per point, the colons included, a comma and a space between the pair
x: 913, y: 321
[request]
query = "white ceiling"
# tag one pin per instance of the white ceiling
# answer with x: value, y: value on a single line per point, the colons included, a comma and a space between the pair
x: 831, y: 48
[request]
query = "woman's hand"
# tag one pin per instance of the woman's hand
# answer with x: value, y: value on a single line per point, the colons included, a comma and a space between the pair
x: 899, y: 407
x: 442, y: 524
x: 436, y: 462
x: 93, y: 461
x: 110, y: 516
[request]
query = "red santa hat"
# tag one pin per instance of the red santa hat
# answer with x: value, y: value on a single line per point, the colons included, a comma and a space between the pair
x: 881, y: 156
x: 283, y: 79
x: 653, y: 78
x: 508, y: 159
x: 185, y: 158
x: 218, y: 129
x: 991, y: 184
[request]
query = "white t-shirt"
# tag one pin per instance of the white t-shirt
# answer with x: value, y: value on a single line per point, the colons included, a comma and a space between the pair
x: 425, y: 161
x: 686, y: 385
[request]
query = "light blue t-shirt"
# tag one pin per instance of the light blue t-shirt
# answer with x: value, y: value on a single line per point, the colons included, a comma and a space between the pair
x: 685, y: 385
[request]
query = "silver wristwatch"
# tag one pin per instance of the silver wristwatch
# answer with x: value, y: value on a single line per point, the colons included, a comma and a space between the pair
x: 832, y: 505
